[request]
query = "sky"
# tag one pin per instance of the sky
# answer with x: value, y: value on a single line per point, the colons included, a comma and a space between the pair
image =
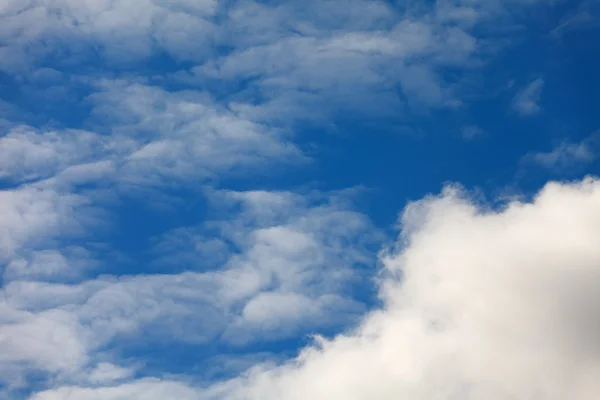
x: 291, y: 200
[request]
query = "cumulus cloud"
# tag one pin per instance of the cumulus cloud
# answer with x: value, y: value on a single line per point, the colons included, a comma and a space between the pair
x: 526, y: 102
x: 501, y: 304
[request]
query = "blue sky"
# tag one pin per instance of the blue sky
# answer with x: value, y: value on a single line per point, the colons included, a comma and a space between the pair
x: 336, y: 199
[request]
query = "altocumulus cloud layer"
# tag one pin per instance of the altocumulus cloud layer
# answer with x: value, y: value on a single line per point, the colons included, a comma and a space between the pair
x: 194, y: 201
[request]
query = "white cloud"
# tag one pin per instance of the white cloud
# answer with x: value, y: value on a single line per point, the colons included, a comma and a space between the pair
x: 30, y: 215
x: 104, y: 373
x: 183, y: 135
x: 526, y: 102
x: 568, y: 156
x: 48, y: 341
x: 498, y: 304
x: 565, y: 153
x: 471, y: 132
x: 121, y: 31
x: 147, y: 389
x: 30, y: 154
x: 355, y: 70
x: 584, y: 16
x: 296, y: 60
x: 65, y: 263
x: 143, y: 135
x: 40, y: 222
x: 290, y: 272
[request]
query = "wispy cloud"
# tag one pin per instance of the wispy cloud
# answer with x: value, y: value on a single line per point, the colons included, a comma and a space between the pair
x: 526, y: 102
x: 471, y: 132
x: 584, y: 16
x: 567, y: 156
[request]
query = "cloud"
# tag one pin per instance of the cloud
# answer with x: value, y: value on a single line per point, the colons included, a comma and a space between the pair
x: 120, y: 31
x: 184, y: 135
x: 28, y: 342
x: 493, y: 303
x: 288, y: 268
x: 355, y: 70
x: 270, y: 63
x: 144, y: 136
x: 287, y: 272
x: 471, y: 132
x: 147, y: 389
x: 105, y: 373
x: 584, y: 16
x: 29, y: 216
x: 141, y: 136
x: 526, y: 102
x: 28, y: 154
x: 567, y: 156
x: 50, y: 264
